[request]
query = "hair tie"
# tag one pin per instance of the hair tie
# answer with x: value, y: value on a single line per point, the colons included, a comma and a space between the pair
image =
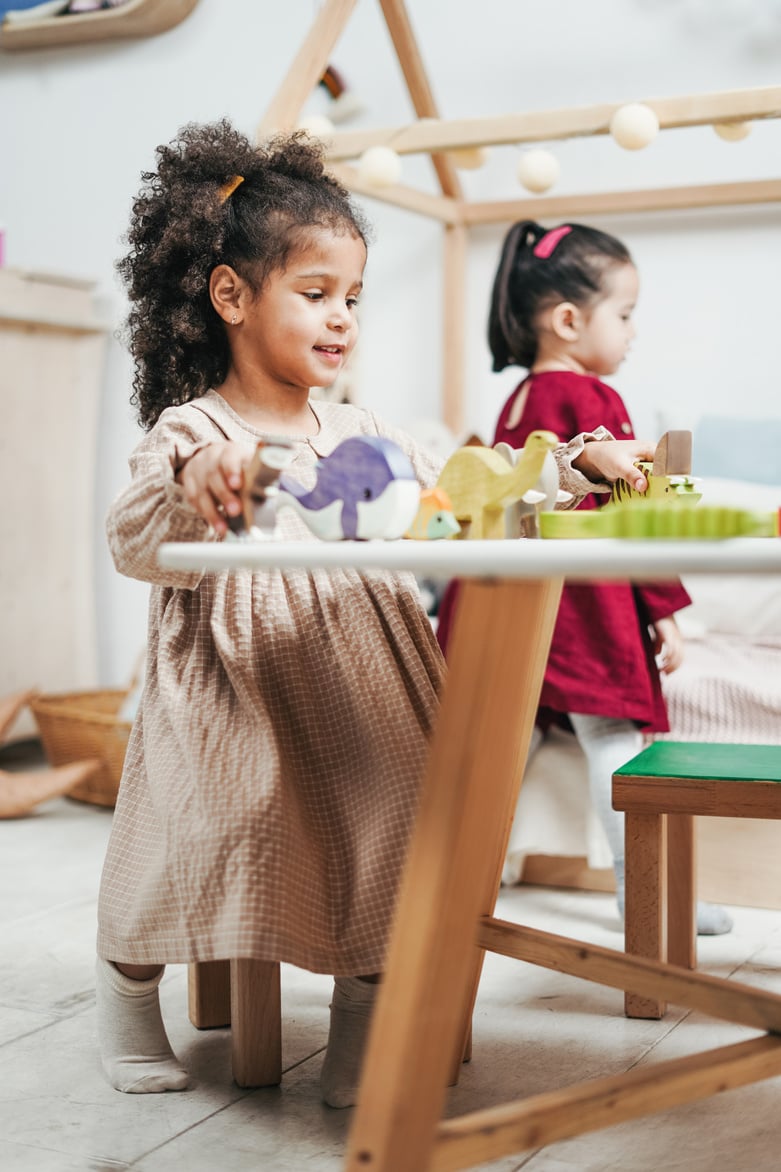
x: 547, y: 243
x: 227, y: 189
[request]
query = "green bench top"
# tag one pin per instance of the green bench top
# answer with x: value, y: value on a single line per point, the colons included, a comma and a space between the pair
x: 696, y: 759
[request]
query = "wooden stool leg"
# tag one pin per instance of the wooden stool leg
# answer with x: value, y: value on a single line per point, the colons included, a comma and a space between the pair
x: 256, y: 1014
x: 209, y: 994
x: 500, y: 648
x: 644, y: 909
x: 681, y: 892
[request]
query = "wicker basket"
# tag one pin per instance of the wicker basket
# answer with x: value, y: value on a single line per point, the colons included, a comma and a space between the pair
x: 76, y: 725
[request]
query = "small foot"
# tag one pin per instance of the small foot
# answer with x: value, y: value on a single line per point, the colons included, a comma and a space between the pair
x: 134, y: 1048
x: 351, y: 1010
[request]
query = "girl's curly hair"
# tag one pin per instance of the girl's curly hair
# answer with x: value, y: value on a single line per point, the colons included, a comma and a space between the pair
x: 182, y: 227
x: 525, y: 284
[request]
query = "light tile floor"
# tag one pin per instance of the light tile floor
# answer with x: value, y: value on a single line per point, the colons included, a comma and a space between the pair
x: 533, y: 1031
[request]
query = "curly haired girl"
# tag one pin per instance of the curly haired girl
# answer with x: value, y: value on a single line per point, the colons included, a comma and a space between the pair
x: 272, y: 773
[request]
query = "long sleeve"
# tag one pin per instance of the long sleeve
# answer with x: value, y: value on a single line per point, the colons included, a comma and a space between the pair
x: 152, y: 509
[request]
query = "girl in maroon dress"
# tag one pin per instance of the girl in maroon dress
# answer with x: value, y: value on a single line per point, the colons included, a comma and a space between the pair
x: 562, y: 308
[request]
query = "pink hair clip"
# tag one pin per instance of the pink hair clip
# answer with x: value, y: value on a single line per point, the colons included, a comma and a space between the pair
x: 546, y: 244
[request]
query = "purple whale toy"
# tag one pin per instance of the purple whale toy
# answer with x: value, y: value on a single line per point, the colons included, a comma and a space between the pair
x: 366, y: 488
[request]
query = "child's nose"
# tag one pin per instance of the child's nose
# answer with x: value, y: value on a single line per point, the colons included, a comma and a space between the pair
x: 339, y: 317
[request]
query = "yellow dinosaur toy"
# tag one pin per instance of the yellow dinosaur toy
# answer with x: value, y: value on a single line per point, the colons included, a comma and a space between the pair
x: 481, y: 484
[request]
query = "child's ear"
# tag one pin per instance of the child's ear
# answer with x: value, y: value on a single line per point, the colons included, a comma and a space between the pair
x: 565, y: 321
x: 225, y: 290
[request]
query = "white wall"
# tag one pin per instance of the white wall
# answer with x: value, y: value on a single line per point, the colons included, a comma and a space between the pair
x: 78, y: 126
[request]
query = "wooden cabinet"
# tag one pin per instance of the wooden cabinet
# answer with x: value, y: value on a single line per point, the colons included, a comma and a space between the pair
x: 52, y: 348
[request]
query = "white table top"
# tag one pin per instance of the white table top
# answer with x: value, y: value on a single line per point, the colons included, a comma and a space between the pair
x: 587, y: 559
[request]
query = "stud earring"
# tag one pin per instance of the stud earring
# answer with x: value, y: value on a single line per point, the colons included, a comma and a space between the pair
x: 234, y: 319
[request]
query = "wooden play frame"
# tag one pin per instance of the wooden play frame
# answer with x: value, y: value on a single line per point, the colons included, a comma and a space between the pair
x: 435, y: 136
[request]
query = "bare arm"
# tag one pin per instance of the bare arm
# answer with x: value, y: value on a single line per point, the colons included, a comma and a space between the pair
x: 668, y: 642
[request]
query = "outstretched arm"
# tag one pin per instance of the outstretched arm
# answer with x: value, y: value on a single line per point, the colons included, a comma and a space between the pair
x: 182, y: 480
x: 593, y: 461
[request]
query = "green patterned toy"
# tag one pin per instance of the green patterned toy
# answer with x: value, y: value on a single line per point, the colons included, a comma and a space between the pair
x: 649, y: 514
x: 669, y: 475
x: 642, y: 519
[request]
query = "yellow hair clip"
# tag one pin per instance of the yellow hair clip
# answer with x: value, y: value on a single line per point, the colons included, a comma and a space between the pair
x: 227, y: 189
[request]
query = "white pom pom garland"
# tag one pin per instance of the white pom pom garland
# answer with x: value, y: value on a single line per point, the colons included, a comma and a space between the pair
x: 317, y: 125
x: 379, y: 166
x: 732, y: 131
x: 633, y: 126
x: 537, y: 170
x: 468, y: 158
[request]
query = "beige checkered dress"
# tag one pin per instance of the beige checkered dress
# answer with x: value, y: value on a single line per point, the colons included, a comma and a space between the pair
x: 272, y: 773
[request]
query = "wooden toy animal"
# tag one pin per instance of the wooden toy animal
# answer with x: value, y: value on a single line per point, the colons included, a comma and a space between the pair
x: 481, y: 485
x: 640, y: 519
x: 669, y: 476
x: 258, y: 517
x: 434, y: 519
x: 366, y: 488
x: 522, y: 518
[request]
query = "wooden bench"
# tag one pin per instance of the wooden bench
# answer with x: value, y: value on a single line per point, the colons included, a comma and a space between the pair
x: 660, y: 791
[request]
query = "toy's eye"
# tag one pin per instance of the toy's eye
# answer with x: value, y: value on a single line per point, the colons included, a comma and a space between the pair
x: 367, y: 494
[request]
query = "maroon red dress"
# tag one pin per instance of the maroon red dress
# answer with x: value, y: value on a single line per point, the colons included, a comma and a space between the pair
x: 602, y: 658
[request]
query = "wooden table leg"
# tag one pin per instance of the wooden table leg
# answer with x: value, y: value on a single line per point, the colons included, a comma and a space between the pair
x: 256, y: 1015
x: 209, y: 994
x: 681, y: 891
x: 500, y: 647
x: 644, y: 912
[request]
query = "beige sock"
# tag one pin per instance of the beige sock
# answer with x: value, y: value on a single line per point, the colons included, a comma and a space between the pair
x: 134, y: 1047
x: 351, y: 1010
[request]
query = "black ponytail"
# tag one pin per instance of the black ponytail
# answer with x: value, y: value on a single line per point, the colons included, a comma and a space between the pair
x: 526, y: 283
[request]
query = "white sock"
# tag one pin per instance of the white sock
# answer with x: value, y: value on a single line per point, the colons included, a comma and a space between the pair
x: 712, y: 919
x: 134, y: 1047
x: 351, y: 1010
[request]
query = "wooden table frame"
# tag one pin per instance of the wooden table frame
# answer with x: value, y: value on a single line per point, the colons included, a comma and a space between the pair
x: 444, y: 919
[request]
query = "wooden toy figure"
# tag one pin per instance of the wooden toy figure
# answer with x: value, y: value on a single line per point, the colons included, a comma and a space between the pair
x: 481, y: 485
x: 522, y: 519
x: 669, y: 476
x: 258, y: 517
x: 640, y: 519
x: 366, y: 488
x: 434, y: 519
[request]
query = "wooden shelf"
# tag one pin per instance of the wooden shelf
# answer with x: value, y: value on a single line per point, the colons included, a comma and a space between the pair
x: 136, y: 18
x: 51, y: 382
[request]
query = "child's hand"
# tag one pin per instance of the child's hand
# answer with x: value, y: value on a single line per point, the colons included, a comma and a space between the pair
x: 668, y: 643
x: 212, y: 480
x: 611, y: 460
